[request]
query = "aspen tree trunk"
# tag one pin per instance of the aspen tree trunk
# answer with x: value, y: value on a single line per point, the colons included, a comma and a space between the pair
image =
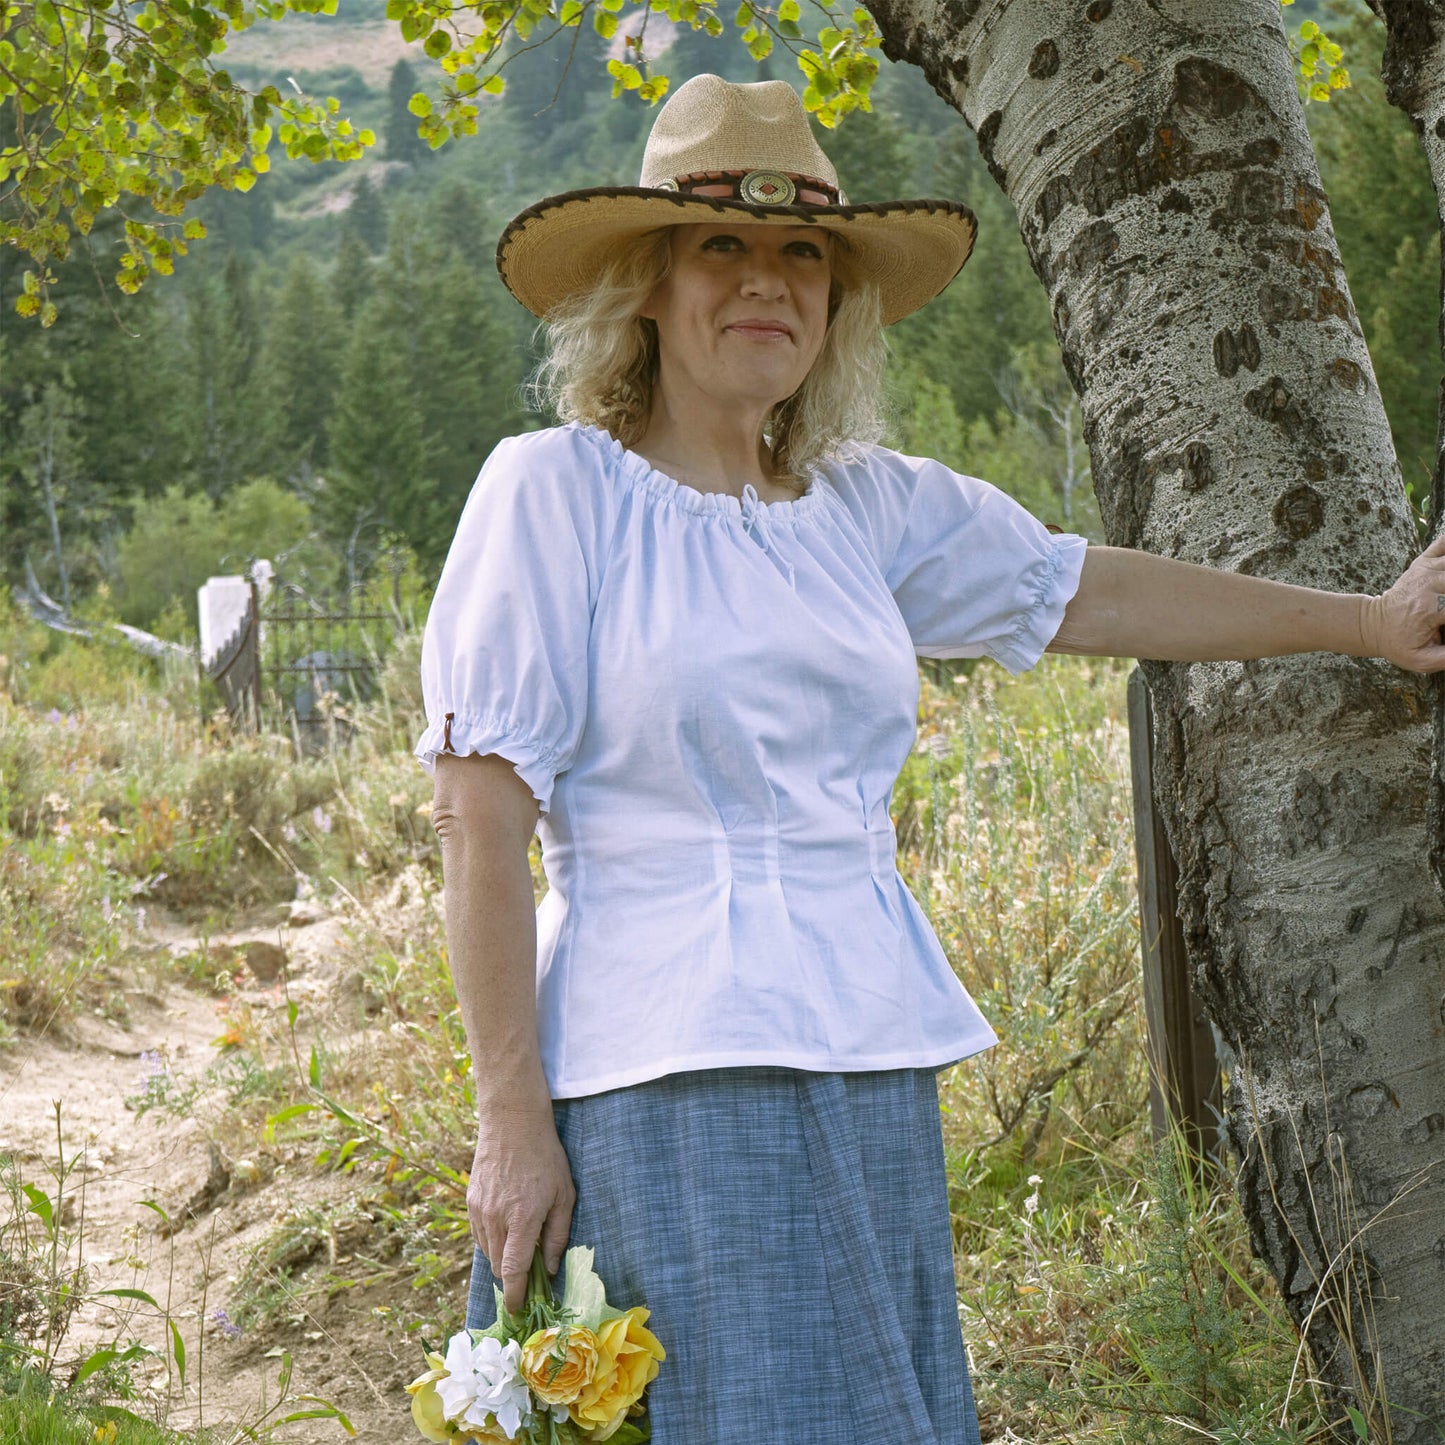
x: 1156, y: 154
x: 1414, y: 75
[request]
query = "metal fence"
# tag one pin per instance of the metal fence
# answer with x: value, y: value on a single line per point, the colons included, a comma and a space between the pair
x: 299, y: 664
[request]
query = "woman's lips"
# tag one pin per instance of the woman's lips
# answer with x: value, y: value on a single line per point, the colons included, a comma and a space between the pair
x: 761, y: 330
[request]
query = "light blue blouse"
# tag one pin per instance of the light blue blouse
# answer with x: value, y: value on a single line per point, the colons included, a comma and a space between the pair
x: 711, y: 700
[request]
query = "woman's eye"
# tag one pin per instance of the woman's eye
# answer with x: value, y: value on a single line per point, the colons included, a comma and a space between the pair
x: 808, y: 249
x: 721, y: 243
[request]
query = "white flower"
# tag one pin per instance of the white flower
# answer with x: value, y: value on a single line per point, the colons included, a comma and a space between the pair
x: 484, y: 1379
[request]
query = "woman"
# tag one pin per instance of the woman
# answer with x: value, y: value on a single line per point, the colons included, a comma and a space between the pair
x: 677, y: 636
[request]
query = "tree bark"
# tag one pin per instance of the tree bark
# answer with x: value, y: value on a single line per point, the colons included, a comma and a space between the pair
x: 1414, y: 75
x: 1166, y: 188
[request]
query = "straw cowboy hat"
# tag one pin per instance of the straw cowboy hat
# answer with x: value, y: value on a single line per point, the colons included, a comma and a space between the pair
x: 719, y: 150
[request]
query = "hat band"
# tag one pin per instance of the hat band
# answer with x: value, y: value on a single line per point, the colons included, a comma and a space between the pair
x: 757, y: 188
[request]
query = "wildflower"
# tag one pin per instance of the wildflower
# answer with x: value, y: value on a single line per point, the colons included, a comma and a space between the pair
x: 288, y: 833
x: 321, y: 818
x: 53, y: 716
x: 1031, y: 1204
x: 106, y: 911
x: 484, y: 1380
x: 226, y: 1325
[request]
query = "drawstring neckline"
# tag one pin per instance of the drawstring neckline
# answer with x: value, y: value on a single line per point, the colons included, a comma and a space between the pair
x: 755, y: 517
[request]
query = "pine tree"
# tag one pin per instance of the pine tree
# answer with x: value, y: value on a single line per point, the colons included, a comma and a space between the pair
x: 299, y: 374
x: 399, y: 129
x: 366, y: 215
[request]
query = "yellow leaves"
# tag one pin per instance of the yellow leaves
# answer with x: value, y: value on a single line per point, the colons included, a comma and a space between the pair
x: 1321, y: 64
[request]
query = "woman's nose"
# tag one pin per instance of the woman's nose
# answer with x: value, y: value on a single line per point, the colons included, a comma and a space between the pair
x: 762, y: 276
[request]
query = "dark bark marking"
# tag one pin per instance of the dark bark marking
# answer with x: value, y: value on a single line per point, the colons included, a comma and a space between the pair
x: 1213, y: 90
x: 1348, y: 376
x: 987, y: 136
x: 1427, y: 1128
x: 1094, y: 244
x: 1281, y: 303
x: 1410, y: 36
x: 1097, y: 75
x: 1367, y: 1100
x: 1175, y: 200
x: 1197, y: 466
x: 1385, y: 517
x: 1045, y: 60
x: 958, y: 69
x: 1255, y: 198
x: 1440, y: 127
x: 1233, y: 349
x: 1048, y: 138
x: 1356, y: 921
x: 1099, y: 10
x: 1299, y: 512
x: 1310, y: 204
x: 1273, y: 403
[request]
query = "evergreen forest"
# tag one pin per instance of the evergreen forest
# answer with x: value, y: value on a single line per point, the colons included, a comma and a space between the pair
x: 323, y: 376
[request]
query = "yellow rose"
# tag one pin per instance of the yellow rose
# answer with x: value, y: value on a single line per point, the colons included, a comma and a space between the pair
x: 427, y: 1412
x: 492, y: 1434
x: 627, y: 1360
x: 558, y: 1363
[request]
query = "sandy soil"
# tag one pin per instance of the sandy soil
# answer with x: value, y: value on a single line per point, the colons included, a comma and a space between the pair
x: 224, y: 1201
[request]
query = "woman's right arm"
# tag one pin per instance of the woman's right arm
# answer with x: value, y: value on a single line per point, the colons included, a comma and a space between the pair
x: 521, y: 1186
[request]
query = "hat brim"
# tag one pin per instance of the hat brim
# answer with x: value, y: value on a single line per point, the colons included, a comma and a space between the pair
x: 910, y: 249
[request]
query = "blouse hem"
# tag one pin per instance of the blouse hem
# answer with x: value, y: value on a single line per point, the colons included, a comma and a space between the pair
x: 771, y: 1058
x: 1039, y: 625
x: 464, y: 734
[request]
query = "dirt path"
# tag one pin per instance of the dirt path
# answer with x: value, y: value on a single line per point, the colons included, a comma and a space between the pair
x: 120, y: 1157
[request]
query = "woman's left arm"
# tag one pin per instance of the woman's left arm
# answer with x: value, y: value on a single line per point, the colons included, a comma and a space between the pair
x: 1134, y: 604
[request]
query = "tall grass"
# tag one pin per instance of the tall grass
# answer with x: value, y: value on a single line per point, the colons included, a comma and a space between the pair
x: 1105, y: 1292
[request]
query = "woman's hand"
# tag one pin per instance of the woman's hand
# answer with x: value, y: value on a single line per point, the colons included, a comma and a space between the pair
x: 520, y: 1192
x: 1404, y: 623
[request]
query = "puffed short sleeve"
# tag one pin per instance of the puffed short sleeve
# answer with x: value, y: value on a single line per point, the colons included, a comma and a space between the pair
x: 505, y: 652
x: 973, y: 572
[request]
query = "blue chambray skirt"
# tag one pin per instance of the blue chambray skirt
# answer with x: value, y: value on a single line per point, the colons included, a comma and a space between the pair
x: 789, y: 1232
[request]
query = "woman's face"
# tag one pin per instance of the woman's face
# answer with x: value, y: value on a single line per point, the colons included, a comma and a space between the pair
x: 742, y: 314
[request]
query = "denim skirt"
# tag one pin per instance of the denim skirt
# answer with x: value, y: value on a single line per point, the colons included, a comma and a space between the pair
x: 789, y: 1232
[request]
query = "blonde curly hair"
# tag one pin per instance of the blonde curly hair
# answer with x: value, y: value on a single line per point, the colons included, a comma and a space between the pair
x: 600, y: 362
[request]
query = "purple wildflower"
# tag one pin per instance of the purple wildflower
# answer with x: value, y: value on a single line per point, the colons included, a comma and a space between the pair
x: 53, y: 717
x: 226, y: 1325
x: 321, y: 818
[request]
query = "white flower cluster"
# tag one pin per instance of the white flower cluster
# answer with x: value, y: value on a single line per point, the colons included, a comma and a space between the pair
x: 485, y: 1379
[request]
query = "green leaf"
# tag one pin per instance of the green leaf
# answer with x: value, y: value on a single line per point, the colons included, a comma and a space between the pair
x: 584, y: 1295
x: 629, y: 1433
x: 604, y: 24
x: 419, y: 104
x: 178, y: 1352
x: 314, y: 1072
x: 135, y: 1294
x: 40, y: 1205
x: 1362, y: 1426
x: 284, y: 1116
x: 438, y: 43
x: 97, y: 1361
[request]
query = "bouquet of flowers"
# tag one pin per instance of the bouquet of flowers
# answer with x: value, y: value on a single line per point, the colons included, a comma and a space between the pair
x: 559, y: 1372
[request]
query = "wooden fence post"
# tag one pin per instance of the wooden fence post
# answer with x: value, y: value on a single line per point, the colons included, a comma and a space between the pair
x: 1184, y: 1082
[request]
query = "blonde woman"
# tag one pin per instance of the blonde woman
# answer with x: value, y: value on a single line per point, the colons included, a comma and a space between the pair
x: 676, y: 636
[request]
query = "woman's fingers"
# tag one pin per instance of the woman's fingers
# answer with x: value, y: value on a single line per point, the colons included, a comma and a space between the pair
x: 556, y: 1228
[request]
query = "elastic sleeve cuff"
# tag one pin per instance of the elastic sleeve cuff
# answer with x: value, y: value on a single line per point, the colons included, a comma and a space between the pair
x: 1053, y: 589
x: 462, y: 734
